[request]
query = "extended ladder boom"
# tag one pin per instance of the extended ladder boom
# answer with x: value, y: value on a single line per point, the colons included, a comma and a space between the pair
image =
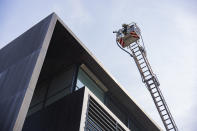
x: 151, y: 82
x: 128, y: 37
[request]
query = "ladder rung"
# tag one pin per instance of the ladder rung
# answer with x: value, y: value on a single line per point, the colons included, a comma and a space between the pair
x: 153, y: 87
x: 149, y: 79
x: 136, y: 51
x: 140, y: 59
x: 163, y: 110
x: 168, y: 124
x: 143, y: 67
x: 147, y: 75
x: 142, y: 63
x: 133, y: 45
x: 159, y: 101
x: 135, y: 48
x: 167, y: 119
x: 154, y: 92
x: 138, y: 55
x: 156, y: 96
x: 171, y: 128
x: 160, y: 105
x: 151, y: 84
x: 164, y: 114
x: 145, y: 71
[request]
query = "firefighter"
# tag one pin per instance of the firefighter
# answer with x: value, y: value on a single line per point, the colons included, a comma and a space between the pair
x: 125, y: 27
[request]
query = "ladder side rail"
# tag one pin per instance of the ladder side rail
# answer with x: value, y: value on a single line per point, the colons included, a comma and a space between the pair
x: 148, y: 65
x: 157, y: 88
x: 146, y: 83
x: 168, y: 111
x: 165, y: 108
x: 163, y: 101
x: 158, y: 109
x: 138, y: 66
x: 164, y: 104
x: 137, y: 62
x: 146, y: 60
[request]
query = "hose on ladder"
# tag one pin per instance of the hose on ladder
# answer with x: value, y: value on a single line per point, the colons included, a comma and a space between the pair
x: 124, y: 49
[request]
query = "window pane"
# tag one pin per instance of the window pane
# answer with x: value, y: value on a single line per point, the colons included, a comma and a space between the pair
x: 35, y: 109
x: 39, y: 94
x: 58, y: 96
x: 60, y: 81
x: 85, y: 80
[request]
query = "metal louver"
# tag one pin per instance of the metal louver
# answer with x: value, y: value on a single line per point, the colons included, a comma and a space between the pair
x: 99, y: 120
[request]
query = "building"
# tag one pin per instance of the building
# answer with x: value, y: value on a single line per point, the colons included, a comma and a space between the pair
x: 49, y: 81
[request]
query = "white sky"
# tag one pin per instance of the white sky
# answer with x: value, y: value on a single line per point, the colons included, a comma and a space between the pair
x: 169, y: 31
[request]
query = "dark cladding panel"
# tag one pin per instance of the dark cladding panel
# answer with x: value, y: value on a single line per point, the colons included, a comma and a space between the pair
x: 17, y: 76
x: 13, y: 85
x: 17, y: 62
x: 63, y: 115
x: 24, y: 45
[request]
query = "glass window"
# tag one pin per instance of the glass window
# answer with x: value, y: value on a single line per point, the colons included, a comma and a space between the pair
x: 60, y: 86
x: 51, y: 90
x: 39, y: 95
x: 58, y: 96
x: 84, y: 80
x: 60, y: 82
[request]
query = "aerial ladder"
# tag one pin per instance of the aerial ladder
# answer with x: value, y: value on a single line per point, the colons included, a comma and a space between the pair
x: 128, y: 39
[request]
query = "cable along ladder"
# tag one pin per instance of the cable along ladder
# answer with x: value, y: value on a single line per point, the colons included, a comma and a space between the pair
x: 128, y: 37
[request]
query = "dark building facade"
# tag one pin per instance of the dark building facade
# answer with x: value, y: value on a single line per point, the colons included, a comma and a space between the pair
x: 49, y: 81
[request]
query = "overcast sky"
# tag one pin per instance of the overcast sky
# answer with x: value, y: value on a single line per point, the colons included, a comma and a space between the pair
x: 169, y: 30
